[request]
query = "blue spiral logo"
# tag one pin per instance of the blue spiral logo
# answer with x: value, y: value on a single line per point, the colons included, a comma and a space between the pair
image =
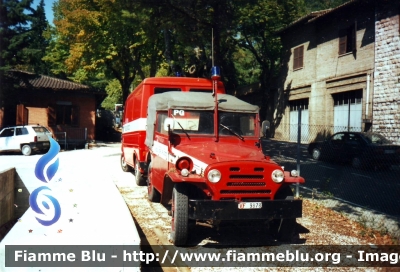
x: 45, y: 169
x: 35, y: 206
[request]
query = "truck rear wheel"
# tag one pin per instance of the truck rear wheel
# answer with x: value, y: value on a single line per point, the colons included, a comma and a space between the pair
x: 180, y: 211
x: 283, y: 229
x: 124, y: 166
x: 152, y: 194
x: 140, y: 180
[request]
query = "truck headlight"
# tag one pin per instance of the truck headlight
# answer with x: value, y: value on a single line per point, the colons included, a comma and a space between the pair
x: 214, y: 176
x: 294, y: 173
x: 277, y: 175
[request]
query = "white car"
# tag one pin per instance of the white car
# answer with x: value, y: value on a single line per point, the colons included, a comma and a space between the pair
x: 27, y: 139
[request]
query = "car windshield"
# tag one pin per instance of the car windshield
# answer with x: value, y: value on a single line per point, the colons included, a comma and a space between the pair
x: 202, y: 122
x: 374, y: 138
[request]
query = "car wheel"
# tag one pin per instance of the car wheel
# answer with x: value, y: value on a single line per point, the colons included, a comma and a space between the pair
x: 140, y: 180
x: 316, y: 154
x: 26, y: 150
x: 152, y: 194
x: 283, y: 229
x: 124, y: 166
x: 356, y: 163
x: 179, y: 212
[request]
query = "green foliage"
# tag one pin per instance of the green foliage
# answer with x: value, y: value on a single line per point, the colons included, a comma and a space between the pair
x: 103, y: 42
x: 314, y: 5
x: 38, y: 43
x: 114, y: 95
x: 14, y: 33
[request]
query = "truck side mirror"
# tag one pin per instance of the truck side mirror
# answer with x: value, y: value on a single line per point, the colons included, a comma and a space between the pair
x: 169, y: 124
x: 265, y: 127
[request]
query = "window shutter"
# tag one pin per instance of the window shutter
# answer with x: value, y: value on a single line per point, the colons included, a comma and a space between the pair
x: 354, y: 36
x: 298, y: 56
x: 51, y: 115
x: 342, y: 45
x: 75, y: 116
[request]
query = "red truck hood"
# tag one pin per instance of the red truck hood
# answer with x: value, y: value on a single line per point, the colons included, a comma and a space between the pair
x: 222, y: 152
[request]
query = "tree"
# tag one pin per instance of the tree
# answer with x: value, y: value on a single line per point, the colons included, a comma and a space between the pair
x: 256, y: 24
x: 36, y: 49
x: 114, y: 95
x: 14, y: 37
x: 107, y: 37
x: 197, y: 34
x: 314, y: 5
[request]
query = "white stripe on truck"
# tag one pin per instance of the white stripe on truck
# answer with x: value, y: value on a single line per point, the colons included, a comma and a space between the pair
x: 161, y: 150
x: 136, y: 125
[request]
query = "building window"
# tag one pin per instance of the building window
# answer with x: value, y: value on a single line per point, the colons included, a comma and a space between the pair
x: 298, y: 54
x: 347, y: 40
x: 67, y: 115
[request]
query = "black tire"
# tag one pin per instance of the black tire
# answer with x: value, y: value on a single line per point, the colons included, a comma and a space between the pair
x: 26, y: 150
x: 283, y: 229
x: 124, y: 166
x: 152, y: 194
x: 140, y: 180
x: 180, y: 211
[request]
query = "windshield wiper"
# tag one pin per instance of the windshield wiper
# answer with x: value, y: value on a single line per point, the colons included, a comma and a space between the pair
x: 181, y: 127
x: 233, y: 132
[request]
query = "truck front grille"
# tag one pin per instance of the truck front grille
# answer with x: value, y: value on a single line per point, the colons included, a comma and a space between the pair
x: 246, y: 177
x: 245, y: 184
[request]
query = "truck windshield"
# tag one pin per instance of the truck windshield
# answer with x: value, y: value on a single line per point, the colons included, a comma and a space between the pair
x: 202, y: 122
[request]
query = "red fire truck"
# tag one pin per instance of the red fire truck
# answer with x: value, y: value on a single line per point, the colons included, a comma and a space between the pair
x: 135, y: 154
x: 203, y: 156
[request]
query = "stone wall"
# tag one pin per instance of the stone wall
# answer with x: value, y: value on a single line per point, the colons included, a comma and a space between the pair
x: 386, y: 100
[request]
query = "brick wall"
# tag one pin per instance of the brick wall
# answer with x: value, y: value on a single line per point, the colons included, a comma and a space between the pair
x: 37, y: 115
x: 386, y: 100
x: 41, y: 110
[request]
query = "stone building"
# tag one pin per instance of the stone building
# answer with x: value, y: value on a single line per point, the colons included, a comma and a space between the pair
x: 342, y: 68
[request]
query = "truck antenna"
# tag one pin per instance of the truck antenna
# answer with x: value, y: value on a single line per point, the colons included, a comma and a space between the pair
x: 215, y: 76
x: 212, y: 46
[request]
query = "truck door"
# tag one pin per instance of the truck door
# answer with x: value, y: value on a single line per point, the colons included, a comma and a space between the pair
x: 159, y: 162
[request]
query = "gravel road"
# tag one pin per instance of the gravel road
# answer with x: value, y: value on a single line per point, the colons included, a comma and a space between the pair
x: 318, y: 226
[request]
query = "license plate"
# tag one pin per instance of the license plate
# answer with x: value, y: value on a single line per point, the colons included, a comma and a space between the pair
x: 45, y: 143
x: 389, y: 151
x: 250, y: 205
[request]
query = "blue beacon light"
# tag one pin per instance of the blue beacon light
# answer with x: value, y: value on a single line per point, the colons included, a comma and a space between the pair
x: 215, y: 73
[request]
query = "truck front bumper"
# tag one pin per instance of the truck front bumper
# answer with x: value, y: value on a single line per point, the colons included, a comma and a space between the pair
x: 229, y: 210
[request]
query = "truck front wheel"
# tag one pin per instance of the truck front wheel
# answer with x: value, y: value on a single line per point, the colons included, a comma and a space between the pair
x: 283, y: 229
x: 180, y: 211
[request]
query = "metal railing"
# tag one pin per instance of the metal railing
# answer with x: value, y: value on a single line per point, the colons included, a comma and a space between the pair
x: 70, y: 137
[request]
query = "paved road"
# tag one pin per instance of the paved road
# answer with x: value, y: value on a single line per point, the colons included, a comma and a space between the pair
x: 373, y: 189
x: 92, y: 209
